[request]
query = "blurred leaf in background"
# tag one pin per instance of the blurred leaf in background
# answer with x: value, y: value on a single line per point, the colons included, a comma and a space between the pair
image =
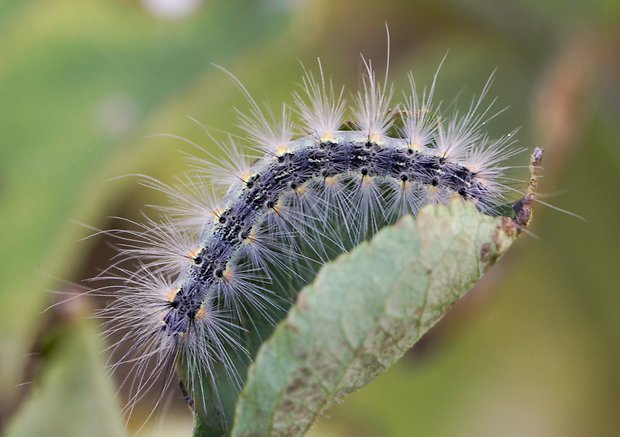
x: 533, y: 351
x: 77, y: 81
x: 75, y: 396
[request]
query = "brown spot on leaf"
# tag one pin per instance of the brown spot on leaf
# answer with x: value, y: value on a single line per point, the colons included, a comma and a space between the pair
x: 488, y: 254
x: 300, y: 381
x: 302, y: 302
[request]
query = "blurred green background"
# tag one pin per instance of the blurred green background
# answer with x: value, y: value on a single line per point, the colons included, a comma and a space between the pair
x: 533, y: 350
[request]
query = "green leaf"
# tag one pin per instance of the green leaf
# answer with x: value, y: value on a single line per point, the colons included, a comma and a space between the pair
x: 363, y: 312
x: 75, y: 397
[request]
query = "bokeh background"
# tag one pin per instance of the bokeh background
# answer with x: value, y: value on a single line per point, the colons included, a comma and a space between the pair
x: 84, y: 85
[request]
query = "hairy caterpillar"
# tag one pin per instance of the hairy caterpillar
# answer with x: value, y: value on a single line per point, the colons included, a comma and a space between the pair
x: 202, y: 275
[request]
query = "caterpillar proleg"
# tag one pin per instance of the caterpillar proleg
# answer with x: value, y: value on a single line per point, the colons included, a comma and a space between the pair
x: 204, y: 272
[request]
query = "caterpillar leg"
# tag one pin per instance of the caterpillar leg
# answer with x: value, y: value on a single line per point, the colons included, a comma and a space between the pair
x: 186, y: 397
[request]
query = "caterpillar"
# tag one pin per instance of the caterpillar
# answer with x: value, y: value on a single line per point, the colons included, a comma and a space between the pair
x: 189, y: 285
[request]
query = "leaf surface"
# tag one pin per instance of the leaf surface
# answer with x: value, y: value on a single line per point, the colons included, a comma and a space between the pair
x: 363, y: 312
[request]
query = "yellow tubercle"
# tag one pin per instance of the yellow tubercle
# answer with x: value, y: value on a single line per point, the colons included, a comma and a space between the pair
x: 245, y: 177
x: 375, y: 137
x: 331, y: 181
x: 327, y: 137
x: 368, y: 180
x: 415, y: 146
x: 228, y: 273
x: 171, y: 294
x: 432, y: 191
x: 279, y: 206
x: 202, y: 312
x: 282, y: 149
x: 252, y: 238
x: 302, y: 189
x: 217, y: 213
x: 193, y: 253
